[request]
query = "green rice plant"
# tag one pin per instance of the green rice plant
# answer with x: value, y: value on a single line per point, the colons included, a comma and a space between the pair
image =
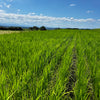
x: 92, y: 59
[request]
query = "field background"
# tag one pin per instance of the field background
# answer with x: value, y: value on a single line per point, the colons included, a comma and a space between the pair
x: 50, y: 65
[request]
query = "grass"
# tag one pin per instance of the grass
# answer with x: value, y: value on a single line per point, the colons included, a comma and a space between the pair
x: 50, y: 65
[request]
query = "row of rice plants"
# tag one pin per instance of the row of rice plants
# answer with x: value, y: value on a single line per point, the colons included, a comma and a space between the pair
x: 87, y: 85
x: 92, y: 52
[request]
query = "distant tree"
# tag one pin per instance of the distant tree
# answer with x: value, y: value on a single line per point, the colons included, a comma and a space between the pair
x: 75, y: 28
x: 57, y: 28
x: 20, y: 28
x: 69, y: 28
x: 35, y: 28
x: 43, y: 28
x: 31, y: 28
x: 10, y: 28
x: 3, y: 28
x: 15, y: 28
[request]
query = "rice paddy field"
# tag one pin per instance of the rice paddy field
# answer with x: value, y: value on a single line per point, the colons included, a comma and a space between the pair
x: 50, y: 65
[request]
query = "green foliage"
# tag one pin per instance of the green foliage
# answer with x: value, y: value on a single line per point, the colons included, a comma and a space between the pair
x: 43, y: 28
x: 34, y: 28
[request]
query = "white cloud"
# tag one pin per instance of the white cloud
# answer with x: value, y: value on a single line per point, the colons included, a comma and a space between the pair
x: 18, y: 10
x: 33, y: 19
x: 31, y: 13
x: 89, y: 11
x: 7, y: 5
x: 2, y: 11
x: 1, y: 6
x: 9, y: 0
x: 85, y: 20
x: 98, y: 19
x: 72, y: 5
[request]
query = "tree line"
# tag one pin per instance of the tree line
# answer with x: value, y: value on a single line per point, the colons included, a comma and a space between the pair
x: 20, y: 28
x: 11, y: 28
x: 37, y: 28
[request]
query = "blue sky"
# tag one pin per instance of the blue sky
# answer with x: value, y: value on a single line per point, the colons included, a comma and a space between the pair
x: 51, y: 13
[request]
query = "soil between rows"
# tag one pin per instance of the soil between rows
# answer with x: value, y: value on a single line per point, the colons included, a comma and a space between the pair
x: 72, y: 76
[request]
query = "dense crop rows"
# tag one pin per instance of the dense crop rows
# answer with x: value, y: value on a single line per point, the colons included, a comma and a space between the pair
x: 50, y: 65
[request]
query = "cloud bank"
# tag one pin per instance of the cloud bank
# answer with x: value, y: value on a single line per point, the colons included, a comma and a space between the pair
x: 32, y: 19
